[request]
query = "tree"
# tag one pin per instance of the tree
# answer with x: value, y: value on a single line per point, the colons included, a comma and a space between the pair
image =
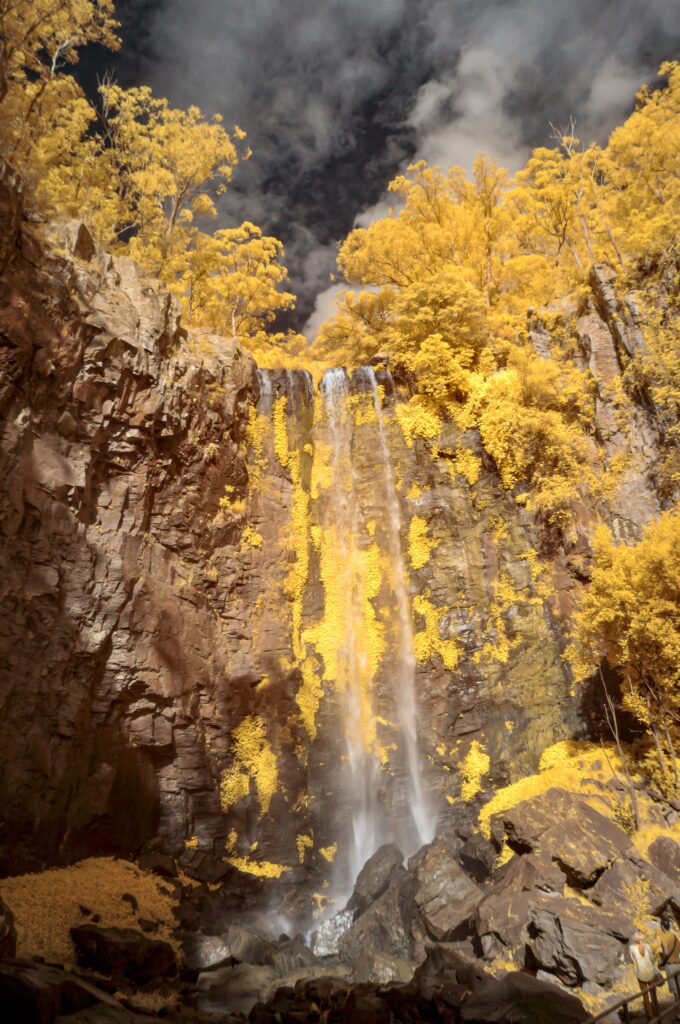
x: 629, y: 617
x: 39, y: 37
x: 233, y: 278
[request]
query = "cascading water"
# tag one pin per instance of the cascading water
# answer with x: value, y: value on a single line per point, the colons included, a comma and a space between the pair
x: 405, y: 690
x: 342, y: 519
x: 358, y: 689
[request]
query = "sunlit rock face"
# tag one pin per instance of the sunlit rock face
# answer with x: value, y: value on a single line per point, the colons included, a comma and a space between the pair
x: 264, y: 625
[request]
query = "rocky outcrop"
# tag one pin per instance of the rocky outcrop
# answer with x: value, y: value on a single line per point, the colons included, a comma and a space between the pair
x: 123, y: 953
x: 8, y: 932
x: 169, y: 617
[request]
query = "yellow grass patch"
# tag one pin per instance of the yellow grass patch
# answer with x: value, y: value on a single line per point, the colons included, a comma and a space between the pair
x: 46, y: 905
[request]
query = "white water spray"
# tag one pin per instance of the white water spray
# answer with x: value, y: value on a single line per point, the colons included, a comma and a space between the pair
x: 405, y: 689
x: 342, y: 516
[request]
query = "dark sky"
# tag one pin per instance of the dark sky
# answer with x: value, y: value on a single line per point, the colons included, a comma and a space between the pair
x: 338, y: 95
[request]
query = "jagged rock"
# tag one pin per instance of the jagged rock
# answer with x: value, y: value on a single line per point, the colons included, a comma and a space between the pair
x: 291, y: 955
x: 374, y: 877
x: 518, y: 998
x: 8, y: 932
x: 204, y: 952
x: 248, y: 947
x: 381, y: 968
x: 501, y: 921
x: 576, y: 836
x: 235, y: 988
x: 445, y: 897
x: 580, y: 840
x: 32, y: 993
x: 384, y: 926
x: 446, y: 966
x: 366, y: 1008
x: 614, y: 888
x: 576, y: 942
x: 326, y: 938
x: 478, y: 856
x: 303, y: 975
x: 664, y: 853
x: 162, y: 864
x: 123, y: 952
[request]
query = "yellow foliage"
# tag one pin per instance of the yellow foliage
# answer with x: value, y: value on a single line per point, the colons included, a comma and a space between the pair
x: 259, y: 868
x: 629, y: 616
x: 468, y: 465
x: 309, y: 695
x: 46, y: 905
x: 329, y: 852
x: 281, y: 449
x: 303, y: 843
x: 427, y: 642
x: 420, y: 547
x: 250, y: 538
x: 574, y: 765
x: 253, y: 758
x: 473, y: 768
x: 417, y: 419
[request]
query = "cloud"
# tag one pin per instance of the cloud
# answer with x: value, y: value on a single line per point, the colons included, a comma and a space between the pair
x: 324, y: 308
x: 338, y: 95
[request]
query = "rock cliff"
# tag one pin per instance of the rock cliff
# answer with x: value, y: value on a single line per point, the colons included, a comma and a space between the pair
x: 172, y: 584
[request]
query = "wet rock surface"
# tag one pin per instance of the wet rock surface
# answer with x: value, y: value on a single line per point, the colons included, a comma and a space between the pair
x: 123, y: 953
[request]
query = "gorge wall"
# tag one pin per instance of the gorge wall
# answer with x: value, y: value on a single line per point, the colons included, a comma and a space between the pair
x: 205, y: 571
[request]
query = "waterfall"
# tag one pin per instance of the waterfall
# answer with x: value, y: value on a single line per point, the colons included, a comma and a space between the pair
x: 266, y: 399
x: 342, y: 519
x: 384, y: 805
x: 405, y: 689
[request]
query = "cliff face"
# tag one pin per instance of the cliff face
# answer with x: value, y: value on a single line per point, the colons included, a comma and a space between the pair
x: 194, y: 654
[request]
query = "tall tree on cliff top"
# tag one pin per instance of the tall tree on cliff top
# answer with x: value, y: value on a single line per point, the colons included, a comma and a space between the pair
x: 141, y: 174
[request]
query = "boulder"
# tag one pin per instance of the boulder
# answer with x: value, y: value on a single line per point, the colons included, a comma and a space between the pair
x: 33, y: 993
x: 162, y: 864
x: 383, y: 927
x: 501, y: 921
x: 248, y: 947
x: 366, y: 1007
x: 529, y: 871
x: 204, y: 952
x: 235, y: 988
x: 446, y: 966
x: 374, y: 877
x: 8, y: 933
x: 576, y: 942
x: 326, y: 939
x: 518, y: 998
x: 291, y: 955
x: 664, y: 853
x: 123, y: 953
x: 584, y: 845
x: 478, y: 856
x: 381, y: 968
x: 444, y: 897
x: 305, y: 975
x: 615, y: 887
x: 578, y: 838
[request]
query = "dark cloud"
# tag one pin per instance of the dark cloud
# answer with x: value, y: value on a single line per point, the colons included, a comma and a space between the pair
x: 336, y: 95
